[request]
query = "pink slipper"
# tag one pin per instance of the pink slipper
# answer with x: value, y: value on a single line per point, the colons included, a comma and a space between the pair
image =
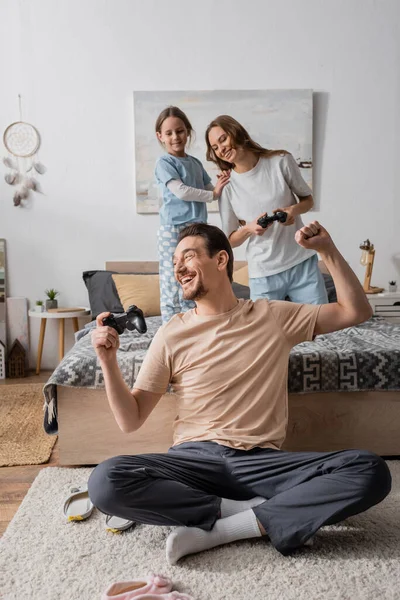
x: 170, y: 596
x: 152, y: 585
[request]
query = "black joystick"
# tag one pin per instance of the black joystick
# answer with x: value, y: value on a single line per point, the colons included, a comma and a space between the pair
x: 265, y: 220
x: 132, y: 319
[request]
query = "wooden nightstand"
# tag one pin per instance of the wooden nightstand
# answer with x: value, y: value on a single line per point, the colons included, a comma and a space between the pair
x: 386, y: 304
x: 61, y: 314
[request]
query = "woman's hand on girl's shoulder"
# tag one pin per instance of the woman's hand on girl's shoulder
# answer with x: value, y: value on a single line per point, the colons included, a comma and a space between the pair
x: 223, y: 179
x: 225, y: 173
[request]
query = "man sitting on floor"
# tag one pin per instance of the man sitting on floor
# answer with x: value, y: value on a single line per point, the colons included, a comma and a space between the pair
x: 225, y: 478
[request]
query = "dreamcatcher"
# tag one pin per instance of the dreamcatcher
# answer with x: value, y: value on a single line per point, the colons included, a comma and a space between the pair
x: 22, y: 140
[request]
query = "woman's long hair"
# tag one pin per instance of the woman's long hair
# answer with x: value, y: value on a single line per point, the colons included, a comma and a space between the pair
x: 239, y: 139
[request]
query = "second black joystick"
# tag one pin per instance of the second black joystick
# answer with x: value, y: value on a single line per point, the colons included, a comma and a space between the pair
x: 265, y: 220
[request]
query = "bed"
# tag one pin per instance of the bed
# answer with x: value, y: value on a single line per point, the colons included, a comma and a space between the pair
x: 344, y: 392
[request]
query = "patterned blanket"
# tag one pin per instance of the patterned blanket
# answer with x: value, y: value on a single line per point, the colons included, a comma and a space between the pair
x: 366, y: 357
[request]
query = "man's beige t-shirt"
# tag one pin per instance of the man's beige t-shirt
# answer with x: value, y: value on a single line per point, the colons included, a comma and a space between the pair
x: 229, y: 371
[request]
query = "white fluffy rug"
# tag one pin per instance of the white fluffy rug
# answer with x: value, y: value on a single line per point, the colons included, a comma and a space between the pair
x: 42, y: 557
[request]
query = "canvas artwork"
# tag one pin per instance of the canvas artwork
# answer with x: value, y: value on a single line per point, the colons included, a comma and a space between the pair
x: 274, y: 118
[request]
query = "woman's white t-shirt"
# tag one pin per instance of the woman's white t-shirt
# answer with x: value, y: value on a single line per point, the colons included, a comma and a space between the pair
x: 271, y: 184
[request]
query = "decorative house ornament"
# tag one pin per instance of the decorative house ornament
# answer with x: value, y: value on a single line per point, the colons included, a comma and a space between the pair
x: 22, y: 140
x: 16, y: 361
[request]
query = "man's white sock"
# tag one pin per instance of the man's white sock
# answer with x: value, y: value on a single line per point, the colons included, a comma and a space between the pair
x: 188, y: 540
x: 232, y: 507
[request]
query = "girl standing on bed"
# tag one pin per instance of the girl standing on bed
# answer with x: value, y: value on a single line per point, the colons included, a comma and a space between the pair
x: 265, y: 181
x: 186, y: 188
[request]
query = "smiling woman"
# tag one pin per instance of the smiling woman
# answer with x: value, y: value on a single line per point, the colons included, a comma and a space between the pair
x: 265, y: 181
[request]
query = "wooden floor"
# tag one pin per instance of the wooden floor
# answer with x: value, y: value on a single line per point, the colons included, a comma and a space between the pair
x: 16, y: 481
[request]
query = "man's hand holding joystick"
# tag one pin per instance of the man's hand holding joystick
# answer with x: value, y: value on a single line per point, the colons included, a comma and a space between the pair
x: 105, y: 338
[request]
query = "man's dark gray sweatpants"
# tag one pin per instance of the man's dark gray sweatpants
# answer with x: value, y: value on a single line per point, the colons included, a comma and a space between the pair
x: 303, y: 490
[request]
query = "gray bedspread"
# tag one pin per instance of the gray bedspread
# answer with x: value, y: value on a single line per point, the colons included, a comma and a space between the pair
x: 366, y: 357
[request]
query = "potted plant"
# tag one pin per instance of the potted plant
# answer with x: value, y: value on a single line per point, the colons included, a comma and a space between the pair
x: 51, y: 295
x: 392, y: 286
x: 39, y: 306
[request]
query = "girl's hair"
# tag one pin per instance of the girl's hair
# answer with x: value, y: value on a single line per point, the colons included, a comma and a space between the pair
x: 174, y: 111
x: 239, y: 138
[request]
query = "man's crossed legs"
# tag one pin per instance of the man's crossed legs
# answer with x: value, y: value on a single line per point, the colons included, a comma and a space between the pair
x: 216, y: 494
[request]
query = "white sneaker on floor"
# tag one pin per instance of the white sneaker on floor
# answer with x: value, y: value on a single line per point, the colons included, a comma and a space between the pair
x: 117, y: 524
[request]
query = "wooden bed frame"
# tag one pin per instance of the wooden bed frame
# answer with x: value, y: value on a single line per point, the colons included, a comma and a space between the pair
x: 89, y: 434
